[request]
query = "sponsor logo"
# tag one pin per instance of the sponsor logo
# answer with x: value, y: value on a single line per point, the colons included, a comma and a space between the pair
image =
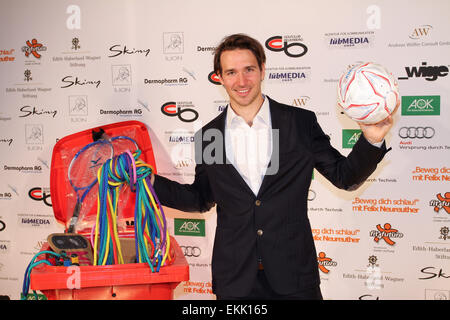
x: 290, y: 45
x: 32, y: 111
x: 75, y: 43
x: 2, y: 225
x: 189, y: 227
x: 40, y: 194
x: 350, y: 137
x: 78, y: 105
x: 7, y: 55
x: 70, y: 81
x: 420, y: 32
x: 433, y: 272
x: 33, y: 48
x: 173, y: 42
x: 421, y: 105
x: 416, y: 132
x: 34, y: 134
x: 117, y: 50
x: 444, y: 233
x: 436, y: 294
x: 350, y: 39
x: 442, y: 202
x: 325, y: 262
x: 430, y: 73
x: 191, y: 251
x: 34, y: 221
x: 27, y: 74
x: 213, y: 78
x: 181, y: 110
x: 385, y: 233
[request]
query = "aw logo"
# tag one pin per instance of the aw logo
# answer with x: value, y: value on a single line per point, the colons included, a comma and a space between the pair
x: 33, y: 47
x: 189, y: 227
x: 420, y: 32
x: 442, y: 202
x: 290, y: 45
x: 430, y: 73
x: 350, y: 137
x: 386, y: 234
x: 421, y: 105
x: 325, y: 262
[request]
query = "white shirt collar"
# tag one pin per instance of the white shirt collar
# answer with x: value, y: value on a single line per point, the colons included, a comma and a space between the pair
x: 263, y: 115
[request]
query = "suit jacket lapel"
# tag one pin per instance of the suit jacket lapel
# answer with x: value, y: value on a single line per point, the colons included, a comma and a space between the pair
x: 226, y: 164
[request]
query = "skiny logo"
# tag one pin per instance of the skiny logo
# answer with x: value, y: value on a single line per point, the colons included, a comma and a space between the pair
x: 291, y: 49
x: 213, y: 78
x: 33, y: 47
x: 430, y: 73
x: 442, y: 202
x: 385, y: 233
x: 325, y: 262
x: 172, y: 109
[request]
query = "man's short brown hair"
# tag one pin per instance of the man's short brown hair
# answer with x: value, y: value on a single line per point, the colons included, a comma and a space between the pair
x: 239, y: 41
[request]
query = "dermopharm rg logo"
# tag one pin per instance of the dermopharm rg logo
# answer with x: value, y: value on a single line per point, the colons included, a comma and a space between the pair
x: 385, y: 233
x: 291, y: 49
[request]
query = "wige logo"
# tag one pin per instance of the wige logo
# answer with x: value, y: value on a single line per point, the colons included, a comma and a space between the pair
x: 386, y: 234
x: 430, y: 73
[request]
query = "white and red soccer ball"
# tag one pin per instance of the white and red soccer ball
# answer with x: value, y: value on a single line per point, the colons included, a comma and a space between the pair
x: 368, y: 93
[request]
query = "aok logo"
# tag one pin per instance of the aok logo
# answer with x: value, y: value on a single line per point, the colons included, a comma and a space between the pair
x: 350, y: 137
x: 385, y: 233
x: 442, y: 202
x: 291, y: 49
x: 189, y: 227
x: 325, y: 262
x: 430, y: 73
x: 421, y: 105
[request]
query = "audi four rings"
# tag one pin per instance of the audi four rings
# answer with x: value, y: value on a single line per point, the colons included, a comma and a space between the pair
x: 416, y: 132
x: 191, y: 251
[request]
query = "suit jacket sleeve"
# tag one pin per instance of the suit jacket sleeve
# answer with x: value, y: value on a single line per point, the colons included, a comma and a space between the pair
x: 195, y: 197
x: 344, y: 172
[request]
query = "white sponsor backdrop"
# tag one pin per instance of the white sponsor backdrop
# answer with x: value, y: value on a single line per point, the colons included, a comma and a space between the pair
x: 98, y: 62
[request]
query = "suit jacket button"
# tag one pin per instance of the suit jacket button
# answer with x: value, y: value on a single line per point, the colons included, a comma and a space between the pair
x: 259, y: 232
x: 258, y: 203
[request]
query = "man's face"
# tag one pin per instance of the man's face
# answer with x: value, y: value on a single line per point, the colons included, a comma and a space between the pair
x: 241, y: 77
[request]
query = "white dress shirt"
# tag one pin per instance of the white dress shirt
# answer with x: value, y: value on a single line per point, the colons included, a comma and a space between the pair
x: 249, y: 148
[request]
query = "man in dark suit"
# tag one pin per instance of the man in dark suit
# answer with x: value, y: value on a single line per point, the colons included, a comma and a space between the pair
x: 263, y: 247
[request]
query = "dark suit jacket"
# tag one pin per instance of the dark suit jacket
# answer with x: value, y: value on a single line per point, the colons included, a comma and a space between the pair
x: 279, y: 210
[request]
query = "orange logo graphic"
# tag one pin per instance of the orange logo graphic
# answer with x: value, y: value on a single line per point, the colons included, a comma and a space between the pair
x: 443, y: 202
x: 324, y: 262
x: 32, y: 48
x: 385, y: 233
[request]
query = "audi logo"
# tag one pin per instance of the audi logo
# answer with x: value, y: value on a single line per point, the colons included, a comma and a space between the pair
x: 191, y: 251
x: 416, y: 132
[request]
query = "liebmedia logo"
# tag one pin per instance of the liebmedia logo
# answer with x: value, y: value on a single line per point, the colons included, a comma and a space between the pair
x: 189, y: 227
x: 350, y: 137
x: 421, y: 105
